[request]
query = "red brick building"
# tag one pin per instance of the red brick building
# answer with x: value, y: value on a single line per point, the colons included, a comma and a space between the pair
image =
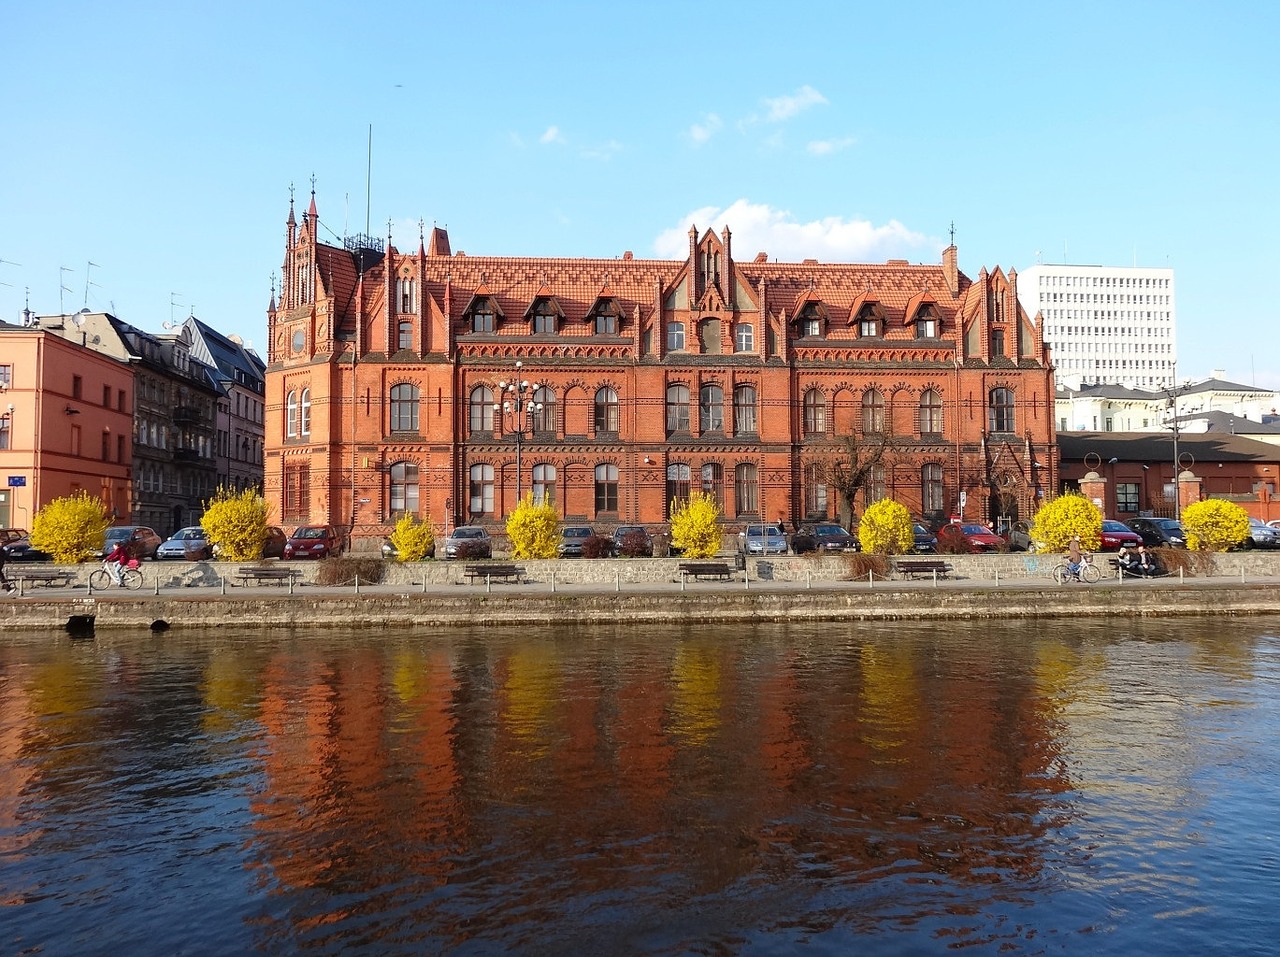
x: 646, y: 379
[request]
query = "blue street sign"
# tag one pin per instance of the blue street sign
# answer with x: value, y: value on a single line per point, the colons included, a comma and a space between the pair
x: 17, y: 481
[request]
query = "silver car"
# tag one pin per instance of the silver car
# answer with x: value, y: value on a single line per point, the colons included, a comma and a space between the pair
x: 1261, y: 535
x: 468, y: 541
x: 189, y: 543
x: 762, y: 540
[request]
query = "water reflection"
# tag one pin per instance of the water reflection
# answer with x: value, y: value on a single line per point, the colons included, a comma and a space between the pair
x: 894, y: 788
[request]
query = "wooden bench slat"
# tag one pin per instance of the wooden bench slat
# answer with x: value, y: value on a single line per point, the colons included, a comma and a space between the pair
x: 472, y: 572
x: 706, y: 569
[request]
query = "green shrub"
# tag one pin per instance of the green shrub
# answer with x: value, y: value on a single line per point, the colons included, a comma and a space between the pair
x: 71, y: 529
x: 1062, y: 519
x: 235, y: 523
x: 413, y: 539
x: 1214, y: 525
x: 695, y: 526
x: 534, y: 530
x: 885, y: 528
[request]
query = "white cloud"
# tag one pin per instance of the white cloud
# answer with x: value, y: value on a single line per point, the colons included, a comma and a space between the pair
x: 701, y: 132
x: 605, y: 151
x: 827, y: 147
x: 759, y: 228
x: 552, y: 135
x: 784, y: 107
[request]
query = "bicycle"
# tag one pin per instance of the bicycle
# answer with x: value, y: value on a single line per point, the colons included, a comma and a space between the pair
x: 1062, y: 573
x: 101, y: 579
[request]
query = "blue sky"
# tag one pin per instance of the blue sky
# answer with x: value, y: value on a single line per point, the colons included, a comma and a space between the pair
x: 158, y: 142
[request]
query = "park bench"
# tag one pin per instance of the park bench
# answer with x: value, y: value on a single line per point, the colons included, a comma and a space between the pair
x: 493, y: 572
x: 259, y: 574
x: 914, y: 567
x: 47, y: 578
x: 697, y: 570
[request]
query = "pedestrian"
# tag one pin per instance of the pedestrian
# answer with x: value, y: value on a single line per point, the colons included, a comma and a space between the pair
x: 4, y: 582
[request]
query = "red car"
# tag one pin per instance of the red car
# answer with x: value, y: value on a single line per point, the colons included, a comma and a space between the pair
x: 981, y: 537
x: 313, y: 541
x: 1116, y: 535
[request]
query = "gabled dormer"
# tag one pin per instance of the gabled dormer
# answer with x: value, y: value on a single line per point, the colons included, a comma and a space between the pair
x: 810, y: 315
x: 605, y: 315
x: 867, y: 316
x: 483, y: 313
x: 544, y: 315
x: 923, y: 316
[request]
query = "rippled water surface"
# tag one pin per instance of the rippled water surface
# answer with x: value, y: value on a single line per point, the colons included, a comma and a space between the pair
x: 1037, y: 788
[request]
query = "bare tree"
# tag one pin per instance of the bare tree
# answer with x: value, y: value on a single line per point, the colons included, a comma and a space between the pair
x: 849, y: 463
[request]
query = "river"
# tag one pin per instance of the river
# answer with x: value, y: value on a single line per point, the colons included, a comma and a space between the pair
x: 899, y: 788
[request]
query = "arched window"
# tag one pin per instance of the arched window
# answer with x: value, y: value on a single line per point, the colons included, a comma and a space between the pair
x: 404, y: 488
x: 404, y: 289
x: 544, y: 485
x: 405, y: 335
x: 544, y: 318
x: 815, y: 491
x: 482, y: 490
x: 931, y: 489
x: 875, y: 485
x: 744, y: 337
x: 544, y: 409
x: 930, y: 413
x: 304, y: 413
x: 404, y: 408
x: 815, y: 412
x: 713, y: 482
x: 677, y: 408
x: 675, y: 336
x: 480, y: 420
x: 606, y: 488
x: 711, y: 409
x: 290, y: 418
x: 678, y: 481
x: 606, y: 410
x: 746, y: 489
x: 1000, y: 411
x: 872, y: 412
x: 744, y: 410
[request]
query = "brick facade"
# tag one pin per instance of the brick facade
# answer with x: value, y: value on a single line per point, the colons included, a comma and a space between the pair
x: 654, y: 377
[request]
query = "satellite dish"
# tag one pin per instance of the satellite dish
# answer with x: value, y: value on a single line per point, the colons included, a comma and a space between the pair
x: 78, y: 319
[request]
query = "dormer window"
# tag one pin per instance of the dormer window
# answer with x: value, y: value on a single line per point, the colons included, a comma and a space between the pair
x: 811, y: 320
x: 868, y: 323
x: 545, y: 316
x: 606, y: 317
x: 483, y: 317
x: 926, y: 323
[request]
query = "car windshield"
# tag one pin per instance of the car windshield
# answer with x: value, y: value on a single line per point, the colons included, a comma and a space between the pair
x: 467, y: 533
x: 116, y: 534
x: 921, y: 530
x: 577, y: 533
x: 976, y: 530
x: 761, y: 531
x: 189, y: 533
x: 309, y: 533
x: 1114, y: 527
x: 828, y: 530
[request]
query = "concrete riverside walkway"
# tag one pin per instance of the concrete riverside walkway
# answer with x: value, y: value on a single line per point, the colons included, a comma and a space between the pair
x: 203, y: 596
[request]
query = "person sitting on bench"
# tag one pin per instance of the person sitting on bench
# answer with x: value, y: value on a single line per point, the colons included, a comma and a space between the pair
x: 1147, y: 566
x: 1127, y: 560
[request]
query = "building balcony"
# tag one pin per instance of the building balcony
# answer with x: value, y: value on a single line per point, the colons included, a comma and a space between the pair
x: 186, y: 415
x: 186, y: 455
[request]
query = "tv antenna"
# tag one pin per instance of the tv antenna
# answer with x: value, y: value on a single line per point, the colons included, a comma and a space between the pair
x: 87, y: 281
x: 8, y: 262
x: 173, y: 301
x: 63, y: 287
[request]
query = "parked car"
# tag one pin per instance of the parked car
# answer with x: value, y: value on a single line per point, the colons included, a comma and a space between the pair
x: 273, y: 547
x: 1117, y: 535
x: 925, y: 541
x: 1274, y: 523
x: 1019, y: 537
x: 822, y: 537
x: 1159, y: 532
x: 19, y: 549
x: 572, y: 539
x: 762, y: 540
x: 981, y: 537
x: 1261, y: 535
x: 141, y: 541
x: 391, y: 553
x: 468, y: 541
x: 632, y: 541
x: 188, y: 543
x: 9, y: 535
x: 314, y: 541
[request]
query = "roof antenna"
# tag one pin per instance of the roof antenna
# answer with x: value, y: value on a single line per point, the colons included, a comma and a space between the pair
x: 88, y: 282
x: 62, y: 287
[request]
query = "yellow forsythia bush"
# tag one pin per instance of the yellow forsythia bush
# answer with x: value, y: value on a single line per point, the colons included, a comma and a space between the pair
x: 885, y: 529
x: 1215, y: 525
x: 413, y: 539
x: 1063, y: 518
x: 534, y: 530
x: 71, y: 529
x: 695, y: 526
x: 235, y: 524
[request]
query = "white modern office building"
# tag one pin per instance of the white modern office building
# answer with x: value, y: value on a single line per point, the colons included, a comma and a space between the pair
x: 1106, y: 325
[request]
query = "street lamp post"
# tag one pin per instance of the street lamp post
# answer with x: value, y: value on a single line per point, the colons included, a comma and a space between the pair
x: 514, y: 413
x: 1177, y: 490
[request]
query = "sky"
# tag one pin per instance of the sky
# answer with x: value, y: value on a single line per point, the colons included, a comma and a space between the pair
x: 148, y: 150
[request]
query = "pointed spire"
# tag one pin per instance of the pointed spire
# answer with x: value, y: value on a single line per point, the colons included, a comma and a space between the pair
x: 311, y: 211
x: 422, y: 246
x: 291, y: 220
